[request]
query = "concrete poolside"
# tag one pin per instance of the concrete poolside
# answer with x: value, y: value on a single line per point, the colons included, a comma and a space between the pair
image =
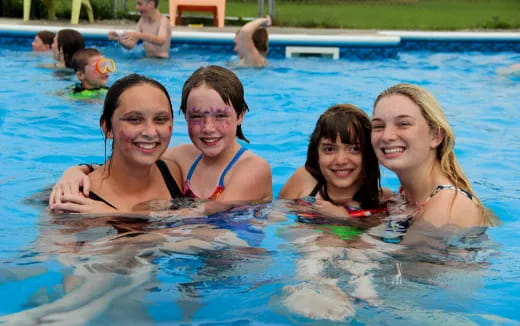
x: 385, y: 42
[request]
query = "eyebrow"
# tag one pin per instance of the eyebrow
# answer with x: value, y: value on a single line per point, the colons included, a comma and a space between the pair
x: 401, y: 116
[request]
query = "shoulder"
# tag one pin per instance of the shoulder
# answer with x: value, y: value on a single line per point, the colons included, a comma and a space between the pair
x: 174, y: 169
x: 450, y: 206
x: 300, y: 184
x: 386, y: 194
x: 253, y: 164
x: 181, y: 152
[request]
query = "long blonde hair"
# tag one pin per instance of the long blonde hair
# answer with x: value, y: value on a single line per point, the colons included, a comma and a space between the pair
x: 434, y: 114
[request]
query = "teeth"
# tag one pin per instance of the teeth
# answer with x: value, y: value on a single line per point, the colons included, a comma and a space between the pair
x: 146, y: 145
x: 393, y: 150
x: 209, y: 140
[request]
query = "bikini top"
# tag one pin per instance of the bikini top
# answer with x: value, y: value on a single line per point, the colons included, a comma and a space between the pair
x: 396, y: 227
x: 174, y: 190
x: 186, y: 190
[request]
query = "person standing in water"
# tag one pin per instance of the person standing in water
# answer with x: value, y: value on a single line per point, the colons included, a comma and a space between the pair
x: 153, y: 28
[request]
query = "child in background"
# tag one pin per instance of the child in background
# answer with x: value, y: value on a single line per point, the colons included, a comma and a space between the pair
x: 251, y: 42
x: 92, y: 70
x: 43, y: 41
x: 215, y: 166
x: 66, y: 42
x: 153, y: 28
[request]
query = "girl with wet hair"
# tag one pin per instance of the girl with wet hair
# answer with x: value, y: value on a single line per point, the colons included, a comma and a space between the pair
x: 214, y: 166
x: 341, y: 174
x: 411, y: 136
x: 66, y: 42
x: 137, y: 118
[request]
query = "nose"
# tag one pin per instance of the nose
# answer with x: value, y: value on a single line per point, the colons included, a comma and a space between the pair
x: 342, y: 157
x: 209, y: 125
x: 388, y: 133
x: 149, y: 130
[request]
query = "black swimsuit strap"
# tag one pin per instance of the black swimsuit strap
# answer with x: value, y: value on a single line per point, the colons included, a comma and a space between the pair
x: 315, y: 190
x: 172, y: 186
x: 92, y: 195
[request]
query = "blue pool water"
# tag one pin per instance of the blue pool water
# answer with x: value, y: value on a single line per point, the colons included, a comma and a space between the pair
x: 261, y: 280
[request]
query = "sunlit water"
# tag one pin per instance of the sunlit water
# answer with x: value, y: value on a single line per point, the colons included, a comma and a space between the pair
x: 255, y: 264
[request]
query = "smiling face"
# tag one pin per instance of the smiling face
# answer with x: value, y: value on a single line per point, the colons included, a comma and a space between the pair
x: 401, y: 136
x: 340, y: 165
x: 141, y: 125
x: 212, y: 124
x: 90, y: 77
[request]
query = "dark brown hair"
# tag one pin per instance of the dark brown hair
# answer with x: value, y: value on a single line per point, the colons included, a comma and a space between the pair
x: 46, y: 37
x: 353, y: 127
x: 260, y: 39
x: 69, y: 41
x: 225, y: 83
x: 80, y: 58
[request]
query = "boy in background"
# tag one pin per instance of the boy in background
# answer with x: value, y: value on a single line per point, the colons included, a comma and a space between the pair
x: 92, y: 70
x: 42, y: 41
x: 153, y: 28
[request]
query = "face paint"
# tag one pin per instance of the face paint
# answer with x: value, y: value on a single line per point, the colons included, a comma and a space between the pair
x: 202, y: 118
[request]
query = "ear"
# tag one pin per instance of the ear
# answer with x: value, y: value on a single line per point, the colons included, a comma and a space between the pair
x: 80, y: 75
x: 108, y: 133
x: 241, y: 118
x: 438, y: 136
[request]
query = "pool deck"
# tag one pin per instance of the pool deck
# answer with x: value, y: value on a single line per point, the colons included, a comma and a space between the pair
x: 319, y: 37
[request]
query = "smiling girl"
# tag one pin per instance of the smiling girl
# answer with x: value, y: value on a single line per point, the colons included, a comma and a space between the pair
x: 137, y: 116
x: 214, y: 166
x: 341, y: 171
x: 412, y: 137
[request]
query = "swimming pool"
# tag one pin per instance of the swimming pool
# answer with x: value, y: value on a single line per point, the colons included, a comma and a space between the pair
x: 237, y: 283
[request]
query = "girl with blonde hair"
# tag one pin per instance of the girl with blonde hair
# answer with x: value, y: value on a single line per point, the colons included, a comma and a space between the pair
x: 412, y: 137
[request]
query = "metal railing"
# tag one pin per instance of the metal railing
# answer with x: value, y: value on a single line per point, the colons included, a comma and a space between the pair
x: 270, y: 4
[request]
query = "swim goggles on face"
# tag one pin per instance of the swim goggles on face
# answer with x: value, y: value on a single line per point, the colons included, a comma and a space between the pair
x: 105, y: 65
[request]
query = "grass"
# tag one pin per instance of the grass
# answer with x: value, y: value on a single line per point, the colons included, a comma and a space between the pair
x: 389, y: 14
x: 358, y: 14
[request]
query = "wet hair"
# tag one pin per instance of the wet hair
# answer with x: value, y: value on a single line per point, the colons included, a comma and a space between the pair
x: 225, y: 83
x: 353, y: 127
x: 260, y: 39
x: 434, y: 115
x: 118, y: 88
x: 112, y: 101
x: 47, y: 37
x: 69, y: 41
x: 81, y: 57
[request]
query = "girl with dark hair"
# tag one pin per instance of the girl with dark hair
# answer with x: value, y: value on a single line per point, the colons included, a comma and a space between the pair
x: 341, y: 173
x: 137, y: 116
x: 215, y: 165
x: 66, y: 42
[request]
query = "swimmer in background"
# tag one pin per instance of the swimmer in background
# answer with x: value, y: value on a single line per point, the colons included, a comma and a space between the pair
x: 214, y: 166
x: 43, y: 41
x: 153, y: 29
x: 66, y: 42
x: 512, y: 70
x: 251, y: 42
x: 92, y: 70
